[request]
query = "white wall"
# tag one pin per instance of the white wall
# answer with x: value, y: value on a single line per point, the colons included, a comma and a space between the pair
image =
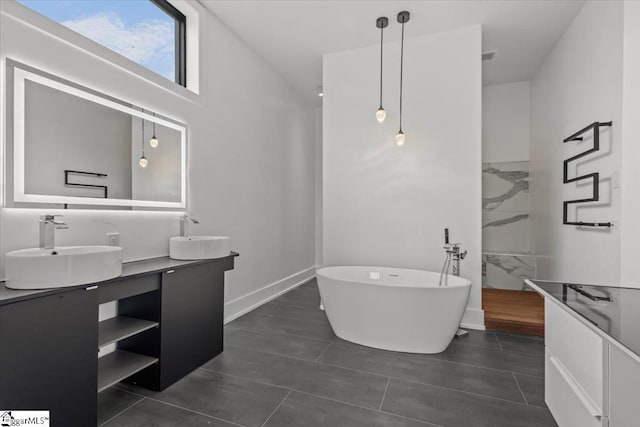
x: 387, y: 205
x: 505, y: 122
x: 579, y: 83
x: 251, y: 153
x: 630, y: 178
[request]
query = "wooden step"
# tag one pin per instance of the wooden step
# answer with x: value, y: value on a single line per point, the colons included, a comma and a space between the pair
x: 513, y: 311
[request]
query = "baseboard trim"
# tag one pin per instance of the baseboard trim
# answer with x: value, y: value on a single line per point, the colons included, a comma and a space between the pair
x: 473, y: 318
x: 246, y: 303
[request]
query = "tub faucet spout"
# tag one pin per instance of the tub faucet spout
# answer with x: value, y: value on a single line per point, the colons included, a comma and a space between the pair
x: 456, y: 253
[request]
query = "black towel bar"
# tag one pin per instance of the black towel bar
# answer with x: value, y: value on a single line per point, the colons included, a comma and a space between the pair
x: 595, y: 177
x: 105, y: 189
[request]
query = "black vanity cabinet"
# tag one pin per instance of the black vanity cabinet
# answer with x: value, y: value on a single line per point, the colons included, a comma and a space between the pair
x: 48, y: 356
x: 169, y: 322
x: 194, y: 327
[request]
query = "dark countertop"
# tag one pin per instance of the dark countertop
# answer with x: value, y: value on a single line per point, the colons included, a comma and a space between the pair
x: 612, y: 312
x: 129, y: 269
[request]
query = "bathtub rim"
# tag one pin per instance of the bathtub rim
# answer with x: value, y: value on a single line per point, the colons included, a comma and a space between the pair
x: 464, y: 281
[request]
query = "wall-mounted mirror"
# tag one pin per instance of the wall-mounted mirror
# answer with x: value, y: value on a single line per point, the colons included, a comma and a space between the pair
x: 73, y: 147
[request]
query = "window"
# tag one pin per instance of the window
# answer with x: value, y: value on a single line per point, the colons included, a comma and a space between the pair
x: 149, y: 32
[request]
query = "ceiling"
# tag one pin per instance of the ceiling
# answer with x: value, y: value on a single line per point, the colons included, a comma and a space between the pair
x: 293, y: 35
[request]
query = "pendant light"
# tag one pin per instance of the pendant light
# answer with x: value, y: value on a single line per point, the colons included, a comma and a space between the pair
x: 381, y: 23
x: 143, y: 162
x: 403, y: 17
x: 153, y: 142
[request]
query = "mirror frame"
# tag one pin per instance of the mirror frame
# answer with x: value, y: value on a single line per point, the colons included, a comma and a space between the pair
x: 20, y: 77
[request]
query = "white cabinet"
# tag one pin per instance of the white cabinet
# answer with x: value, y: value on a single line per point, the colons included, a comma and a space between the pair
x: 589, y: 381
x: 574, y: 370
x: 566, y: 401
x: 624, y: 389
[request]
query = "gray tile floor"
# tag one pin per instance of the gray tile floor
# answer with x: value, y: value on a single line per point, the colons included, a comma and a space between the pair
x: 283, y: 366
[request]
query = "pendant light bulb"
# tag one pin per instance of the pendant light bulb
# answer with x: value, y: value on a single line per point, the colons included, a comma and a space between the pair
x: 153, y: 142
x: 381, y: 23
x: 403, y: 18
x: 143, y: 162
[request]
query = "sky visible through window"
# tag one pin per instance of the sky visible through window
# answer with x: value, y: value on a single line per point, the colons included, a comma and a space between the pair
x: 137, y: 29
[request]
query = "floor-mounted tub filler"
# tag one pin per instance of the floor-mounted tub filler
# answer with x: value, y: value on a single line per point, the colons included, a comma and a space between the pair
x: 393, y: 308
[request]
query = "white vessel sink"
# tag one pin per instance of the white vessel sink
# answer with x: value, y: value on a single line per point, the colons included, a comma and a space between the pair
x: 61, y: 267
x: 199, y: 247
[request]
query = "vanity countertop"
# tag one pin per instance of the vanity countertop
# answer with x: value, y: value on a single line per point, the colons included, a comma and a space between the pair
x: 129, y: 269
x: 610, y: 311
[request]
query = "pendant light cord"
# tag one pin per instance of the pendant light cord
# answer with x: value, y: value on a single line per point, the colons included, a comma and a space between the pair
x: 381, y: 41
x: 142, y: 133
x: 401, y: 67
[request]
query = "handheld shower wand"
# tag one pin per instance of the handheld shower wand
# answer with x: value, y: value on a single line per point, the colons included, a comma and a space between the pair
x: 444, y: 274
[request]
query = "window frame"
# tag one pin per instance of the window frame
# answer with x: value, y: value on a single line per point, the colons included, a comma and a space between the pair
x: 180, y: 39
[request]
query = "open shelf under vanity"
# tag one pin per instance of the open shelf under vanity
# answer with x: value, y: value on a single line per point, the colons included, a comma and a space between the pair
x: 118, y: 328
x: 119, y: 365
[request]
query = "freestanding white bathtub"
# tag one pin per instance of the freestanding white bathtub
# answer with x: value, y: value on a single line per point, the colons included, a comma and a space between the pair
x: 393, y: 308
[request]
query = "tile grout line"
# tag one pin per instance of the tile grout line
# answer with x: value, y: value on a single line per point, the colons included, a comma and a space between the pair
x: 498, y: 341
x: 290, y: 391
x: 520, y: 388
x: 307, y: 360
x: 427, y: 423
x: 281, y: 333
x: 286, y: 317
x: 438, y: 360
x: 384, y: 394
x: 296, y: 390
x: 501, y: 349
x: 349, y: 344
x: 306, y: 306
x: 529, y: 375
x: 180, y: 407
x: 483, y: 367
x: 269, y: 353
x: 275, y: 410
x: 535, y: 343
x: 196, y: 412
x: 368, y: 373
x: 290, y: 317
x: 525, y: 336
x: 323, y: 351
x: 251, y: 380
x: 368, y: 409
x: 127, y: 391
x: 122, y: 412
x: 376, y: 373
x: 458, y: 391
